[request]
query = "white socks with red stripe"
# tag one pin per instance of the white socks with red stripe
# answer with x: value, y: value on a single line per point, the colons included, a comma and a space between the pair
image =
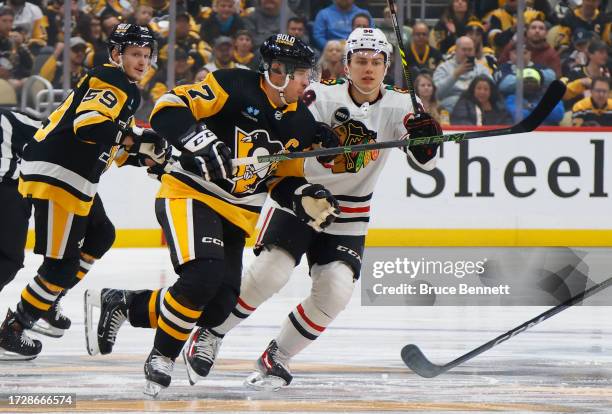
x: 263, y: 278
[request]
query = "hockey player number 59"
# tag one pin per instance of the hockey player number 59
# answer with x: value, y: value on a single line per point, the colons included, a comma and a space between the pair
x: 106, y: 98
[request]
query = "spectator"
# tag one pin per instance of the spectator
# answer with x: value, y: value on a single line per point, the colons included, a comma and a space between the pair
x: 90, y: 29
x: 183, y: 72
x: 480, y: 105
x: 452, y: 24
x: 595, y: 110
x: 190, y: 42
x: 264, y: 21
x: 109, y: 21
x: 426, y: 90
x: 15, y: 58
x: 532, y: 93
x: 501, y: 23
x: 143, y: 16
x: 330, y: 63
x: 362, y: 20
x: 29, y: 19
x: 222, y: 57
x: 52, y: 69
x: 387, y: 28
x: 243, y: 50
x: 541, y: 52
x: 201, y: 74
x: 484, y: 55
x: 424, y: 57
x: 223, y: 21
x: 334, y: 22
x: 579, y: 79
x: 453, y: 76
x: 586, y: 16
x: 505, y: 75
x: 296, y: 26
x: 577, y: 54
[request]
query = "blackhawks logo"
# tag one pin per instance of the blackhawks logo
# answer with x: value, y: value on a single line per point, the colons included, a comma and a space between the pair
x: 354, y: 132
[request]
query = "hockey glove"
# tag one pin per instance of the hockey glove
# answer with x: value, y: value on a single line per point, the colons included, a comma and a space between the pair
x: 147, y: 144
x: 418, y: 125
x: 212, y: 156
x: 315, y: 205
x: 327, y: 138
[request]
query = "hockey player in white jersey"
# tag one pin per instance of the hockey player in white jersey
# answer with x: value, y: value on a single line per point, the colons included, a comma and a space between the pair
x: 360, y: 110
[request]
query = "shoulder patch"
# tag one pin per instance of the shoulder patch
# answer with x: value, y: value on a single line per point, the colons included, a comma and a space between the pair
x: 330, y: 82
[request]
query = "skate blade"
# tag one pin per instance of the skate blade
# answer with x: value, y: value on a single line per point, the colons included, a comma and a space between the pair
x: 152, y: 389
x: 13, y: 356
x: 91, y: 301
x: 260, y: 382
x: 44, y: 328
x: 191, y: 374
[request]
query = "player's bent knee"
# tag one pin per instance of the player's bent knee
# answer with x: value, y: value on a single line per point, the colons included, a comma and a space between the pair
x: 332, y: 287
x: 199, y: 281
x: 266, y: 275
x: 100, y: 239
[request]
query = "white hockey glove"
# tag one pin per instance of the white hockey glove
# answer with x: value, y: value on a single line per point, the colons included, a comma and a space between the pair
x: 147, y: 144
x: 315, y: 205
x: 212, y: 156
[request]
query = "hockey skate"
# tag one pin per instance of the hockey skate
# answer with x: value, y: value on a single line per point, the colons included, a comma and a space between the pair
x: 53, y: 323
x: 158, y: 370
x: 199, y: 353
x: 15, y: 344
x: 113, y: 305
x: 272, y: 372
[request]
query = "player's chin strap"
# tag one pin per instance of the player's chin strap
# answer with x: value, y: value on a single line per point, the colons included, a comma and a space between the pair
x: 280, y: 89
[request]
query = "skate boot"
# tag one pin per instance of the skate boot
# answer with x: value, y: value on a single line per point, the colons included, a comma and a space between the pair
x: 272, y: 370
x: 199, y: 353
x: 158, y: 370
x: 113, y: 305
x: 15, y: 344
x: 53, y: 323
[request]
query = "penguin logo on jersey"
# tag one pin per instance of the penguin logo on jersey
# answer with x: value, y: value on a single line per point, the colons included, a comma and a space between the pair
x: 354, y: 132
x: 255, y: 143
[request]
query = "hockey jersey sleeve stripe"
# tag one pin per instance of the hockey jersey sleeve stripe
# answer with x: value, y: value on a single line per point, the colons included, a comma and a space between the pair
x: 346, y: 209
x: 104, y: 98
x: 88, y: 118
x: 167, y: 100
x: 71, y: 178
x: 353, y: 199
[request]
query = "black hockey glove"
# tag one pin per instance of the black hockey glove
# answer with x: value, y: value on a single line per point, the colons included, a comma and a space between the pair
x: 147, y: 144
x: 422, y: 125
x: 315, y: 205
x: 212, y: 156
x: 327, y: 138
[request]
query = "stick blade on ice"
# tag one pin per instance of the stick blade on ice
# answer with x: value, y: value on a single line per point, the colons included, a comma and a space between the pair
x: 418, y: 362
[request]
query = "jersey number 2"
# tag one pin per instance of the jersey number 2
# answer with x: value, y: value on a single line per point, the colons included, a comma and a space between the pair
x: 206, y: 94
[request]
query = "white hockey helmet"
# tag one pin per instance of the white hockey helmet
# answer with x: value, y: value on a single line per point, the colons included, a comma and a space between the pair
x: 365, y: 38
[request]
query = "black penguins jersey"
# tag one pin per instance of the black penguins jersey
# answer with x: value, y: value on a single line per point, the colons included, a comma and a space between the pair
x: 232, y: 103
x: 79, y: 140
x: 16, y: 130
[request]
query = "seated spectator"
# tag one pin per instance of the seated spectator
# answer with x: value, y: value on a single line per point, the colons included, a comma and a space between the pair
x: 29, y: 19
x: 501, y: 23
x: 426, y: 90
x: 579, y: 79
x: 586, y: 16
x: 595, y: 110
x: 183, y: 74
x: 243, y: 50
x: 424, y: 56
x: 264, y: 21
x: 109, y: 21
x: 223, y: 21
x: 330, y: 63
x: 532, y: 94
x: 143, y: 16
x: 453, y: 76
x: 201, y: 74
x: 190, y: 42
x: 90, y: 30
x: 15, y: 58
x: 387, y: 28
x: 576, y: 55
x: 334, y: 22
x: 53, y: 71
x: 296, y: 26
x: 505, y: 75
x: 452, y: 24
x: 362, y: 20
x: 223, y: 55
x: 480, y: 105
x: 484, y: 55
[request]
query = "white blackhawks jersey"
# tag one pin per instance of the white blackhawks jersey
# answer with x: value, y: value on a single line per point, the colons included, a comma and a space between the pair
x: 351, y: 178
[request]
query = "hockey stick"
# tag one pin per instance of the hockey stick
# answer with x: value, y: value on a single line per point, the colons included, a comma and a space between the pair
x: 405, y: 68
x: 418, y: 362
x: 552, y: 96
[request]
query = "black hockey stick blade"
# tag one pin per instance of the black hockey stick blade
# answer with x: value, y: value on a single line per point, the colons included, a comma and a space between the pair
x: 418, y: 362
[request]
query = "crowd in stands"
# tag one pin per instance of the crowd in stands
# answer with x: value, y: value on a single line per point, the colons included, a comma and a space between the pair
x: 464, y: 65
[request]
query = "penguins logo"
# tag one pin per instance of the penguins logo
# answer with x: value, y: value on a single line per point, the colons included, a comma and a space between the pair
x: 256, y: 143
x: 354, y: 132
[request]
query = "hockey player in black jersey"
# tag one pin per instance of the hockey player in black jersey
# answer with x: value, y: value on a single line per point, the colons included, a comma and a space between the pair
x: 207, y: 207
x: 59, y: 175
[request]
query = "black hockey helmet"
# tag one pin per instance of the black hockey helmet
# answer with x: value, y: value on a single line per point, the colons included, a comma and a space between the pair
x: 287, y: 49
x: 126, y: 34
